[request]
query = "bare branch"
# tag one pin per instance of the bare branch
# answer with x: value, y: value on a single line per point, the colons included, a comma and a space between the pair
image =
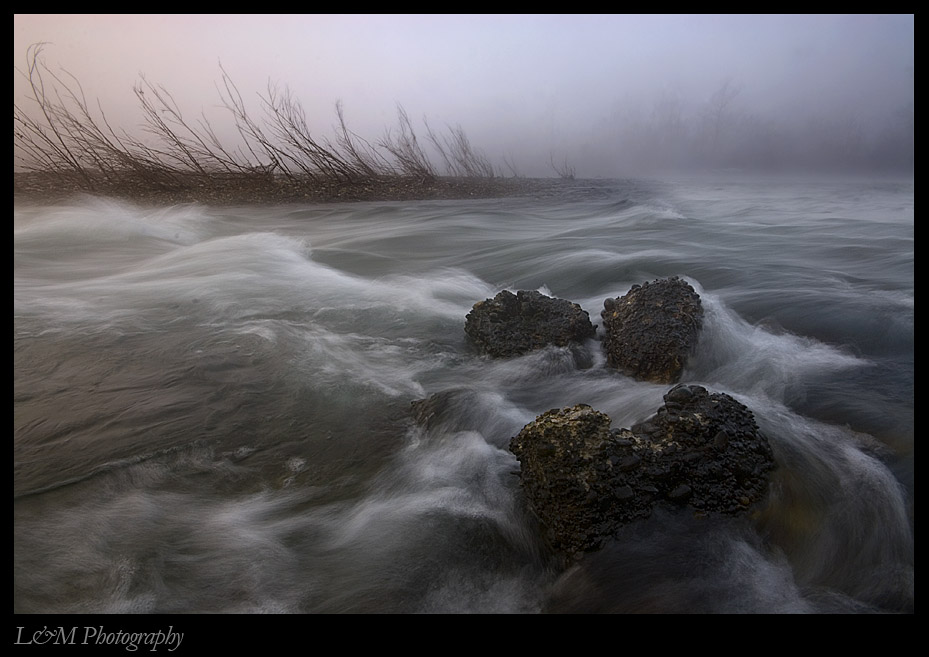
x: 405, y: 148
x: 564, y: 170
x: 64, y: 135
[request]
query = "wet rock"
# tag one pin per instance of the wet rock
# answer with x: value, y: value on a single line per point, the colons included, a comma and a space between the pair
x: 569, y: 471
x: 515, y: 324
x: 584, y: 480
x: 680, y: 493
x: 445, y: 408
x: 653, y: 329
x: 718, y: 452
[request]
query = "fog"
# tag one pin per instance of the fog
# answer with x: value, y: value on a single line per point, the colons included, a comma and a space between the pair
x: 614, y: 95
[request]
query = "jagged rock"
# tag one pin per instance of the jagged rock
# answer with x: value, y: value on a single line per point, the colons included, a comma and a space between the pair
x: 515, y: 324
x: 652, y: 330
x: 710, y: 443
x: 571, y: 468
x: 584, y: 480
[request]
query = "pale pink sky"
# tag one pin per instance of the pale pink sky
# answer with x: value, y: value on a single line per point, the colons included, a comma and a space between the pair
x: 507, y: 79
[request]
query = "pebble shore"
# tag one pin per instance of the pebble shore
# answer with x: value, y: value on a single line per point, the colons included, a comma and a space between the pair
x: 37, y: 187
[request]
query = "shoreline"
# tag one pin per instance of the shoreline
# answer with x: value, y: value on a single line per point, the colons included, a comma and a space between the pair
x: 239, y: 189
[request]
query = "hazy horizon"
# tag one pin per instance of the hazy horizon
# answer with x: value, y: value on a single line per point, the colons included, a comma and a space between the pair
x: 611, y: 94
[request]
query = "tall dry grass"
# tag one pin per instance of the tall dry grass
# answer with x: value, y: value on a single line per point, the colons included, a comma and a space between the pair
x: 59, y: 132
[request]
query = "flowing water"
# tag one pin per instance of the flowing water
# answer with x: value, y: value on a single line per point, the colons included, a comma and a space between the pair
x: 211, y: 405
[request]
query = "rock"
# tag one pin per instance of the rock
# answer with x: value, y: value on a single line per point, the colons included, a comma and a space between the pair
x: 445, y: 408
x: 652, y: 330
x: 570, y: 474
x: 711, y: 443
x: 515, y: 324
x: 584, y: 480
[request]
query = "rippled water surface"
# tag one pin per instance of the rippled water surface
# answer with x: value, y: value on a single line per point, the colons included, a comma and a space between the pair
x: 211, y: 405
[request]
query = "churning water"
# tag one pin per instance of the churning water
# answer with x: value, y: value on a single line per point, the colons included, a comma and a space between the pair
x: 211, y: 405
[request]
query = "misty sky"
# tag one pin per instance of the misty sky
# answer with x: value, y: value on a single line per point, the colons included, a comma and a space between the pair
x: 521, y: 86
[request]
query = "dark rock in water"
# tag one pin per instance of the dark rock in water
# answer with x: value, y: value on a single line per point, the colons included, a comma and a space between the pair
x: 653, y: 329
x: 458, y: 409
x: 515, y: 324
x: 570, y: 471
x: 710, y: 443
x: 584, y: 480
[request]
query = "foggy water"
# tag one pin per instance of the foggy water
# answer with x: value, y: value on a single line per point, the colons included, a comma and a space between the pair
x: 211, y: 405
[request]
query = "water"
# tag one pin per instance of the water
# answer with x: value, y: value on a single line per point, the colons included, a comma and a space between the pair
x: 211, y: 405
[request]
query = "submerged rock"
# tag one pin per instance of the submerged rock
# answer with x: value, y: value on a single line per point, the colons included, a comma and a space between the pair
x: 584, y: 480
x: 515, y: 324
x: 653, y: 329
x: 458, y: 409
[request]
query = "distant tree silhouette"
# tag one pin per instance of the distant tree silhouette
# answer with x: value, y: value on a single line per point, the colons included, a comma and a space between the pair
x: 720, y: 113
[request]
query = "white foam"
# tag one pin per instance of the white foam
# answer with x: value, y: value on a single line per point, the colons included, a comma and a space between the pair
x: 739, y: 356
x: 99, y: 221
